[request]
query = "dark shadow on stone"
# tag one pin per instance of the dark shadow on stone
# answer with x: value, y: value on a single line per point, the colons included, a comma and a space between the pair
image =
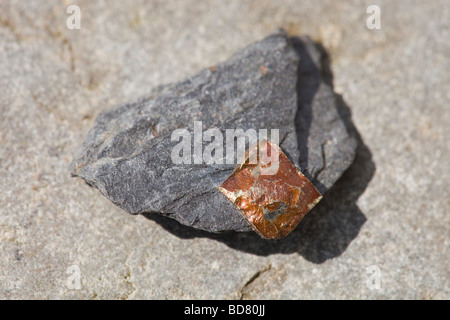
x: 329, y: 228
x: 308, y: 82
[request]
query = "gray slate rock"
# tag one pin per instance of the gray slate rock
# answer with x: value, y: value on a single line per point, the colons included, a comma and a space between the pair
x: 274, y: 83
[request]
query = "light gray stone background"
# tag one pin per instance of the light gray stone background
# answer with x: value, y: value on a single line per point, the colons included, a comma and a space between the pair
x: 389, y: 210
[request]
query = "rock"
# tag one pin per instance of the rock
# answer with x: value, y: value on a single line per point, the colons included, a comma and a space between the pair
x: 274, y: 83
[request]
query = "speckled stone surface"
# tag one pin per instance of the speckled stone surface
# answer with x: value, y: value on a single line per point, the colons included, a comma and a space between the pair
x: 388, y: 212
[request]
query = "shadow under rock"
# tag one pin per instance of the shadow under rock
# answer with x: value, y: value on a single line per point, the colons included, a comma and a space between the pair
x: 328, y: 229
x: 323, y: 234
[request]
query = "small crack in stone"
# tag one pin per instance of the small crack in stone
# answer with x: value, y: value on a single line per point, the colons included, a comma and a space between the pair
x: 252, y: 279
x: 324, y: 162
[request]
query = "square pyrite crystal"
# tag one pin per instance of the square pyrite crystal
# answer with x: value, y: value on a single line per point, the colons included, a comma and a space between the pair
x: 273, y: 202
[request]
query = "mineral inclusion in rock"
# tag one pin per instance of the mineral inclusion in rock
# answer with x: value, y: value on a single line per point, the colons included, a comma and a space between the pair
x: 273, y: 201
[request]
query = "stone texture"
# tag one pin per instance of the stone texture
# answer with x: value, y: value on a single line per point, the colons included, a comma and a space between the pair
x: 389, y: 209
x: 127, y: 154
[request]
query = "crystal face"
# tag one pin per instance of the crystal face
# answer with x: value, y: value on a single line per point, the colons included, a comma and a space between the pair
x: 273, y: 202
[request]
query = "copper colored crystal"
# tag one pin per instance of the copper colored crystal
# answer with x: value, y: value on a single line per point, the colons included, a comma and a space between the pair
x: 273, y: 203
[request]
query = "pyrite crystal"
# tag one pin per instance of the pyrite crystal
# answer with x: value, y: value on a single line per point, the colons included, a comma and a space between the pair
x: 272, y: 202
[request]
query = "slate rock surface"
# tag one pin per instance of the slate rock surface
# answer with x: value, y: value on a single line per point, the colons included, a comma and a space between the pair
x: 273, y: 83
